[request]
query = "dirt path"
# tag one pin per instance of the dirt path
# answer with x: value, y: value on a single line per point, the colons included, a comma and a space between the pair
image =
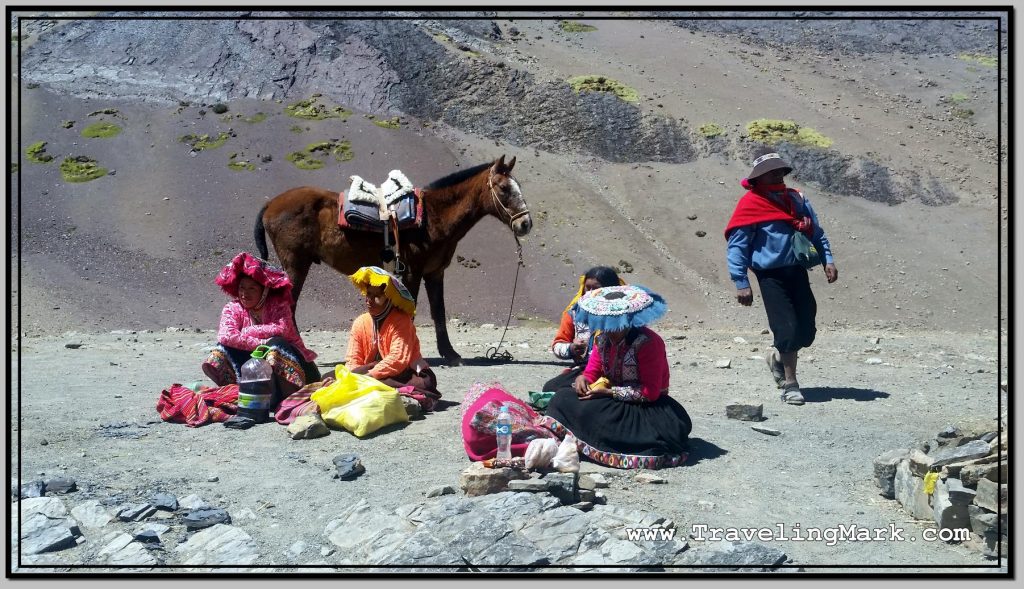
x: 816, y: 474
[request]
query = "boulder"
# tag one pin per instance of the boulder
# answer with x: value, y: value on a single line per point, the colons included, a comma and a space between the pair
x: 219, y: 545
x: 61, y: 485
x: 593, y: 481
x: 32, y: 489
x: 198, y: 519
x: 969, y: 451
x: 991, y: 496
x: 971, y: 474
x: 123, y: 551
x: 164, y: 502
x: 948, y: 515
x: 133, y: 512
x: 745, y: 411
x: 885, y: 471
x: 91, y: 514
x: 307, y: 427
x: 478, y: 480
x: 45, y: 526
x: 563, y: 486
x: 751, y: 556
x: 958, y: 494
x: 910, y: 492
x: 920, y: 463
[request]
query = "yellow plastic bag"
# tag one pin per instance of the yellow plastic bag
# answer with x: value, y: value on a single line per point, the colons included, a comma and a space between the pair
x: 369, y: 412
x: 347, y: 387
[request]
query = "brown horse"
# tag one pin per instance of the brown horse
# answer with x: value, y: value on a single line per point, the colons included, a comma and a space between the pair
x: 303, y: 226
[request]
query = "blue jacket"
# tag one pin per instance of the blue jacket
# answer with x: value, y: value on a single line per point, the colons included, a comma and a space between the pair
x: 767, y: 245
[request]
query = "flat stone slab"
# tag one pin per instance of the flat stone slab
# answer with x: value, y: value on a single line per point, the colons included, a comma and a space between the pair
x: 745, y: 411
x: 766, y: 430
x: 534, y: 485
x: 164, y: 502
x: 91, y: 514
x: 198, y: 519
x: 219, y: 545
x: 45, y: 526
x: 133, y: 512
x: 729, y: 556
x: 969, y: 451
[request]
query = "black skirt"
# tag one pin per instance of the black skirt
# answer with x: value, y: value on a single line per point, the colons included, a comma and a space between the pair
x: 621, y: 434
x: 564, y: 381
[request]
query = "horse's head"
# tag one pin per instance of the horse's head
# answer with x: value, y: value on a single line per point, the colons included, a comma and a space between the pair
x: 508, y: 197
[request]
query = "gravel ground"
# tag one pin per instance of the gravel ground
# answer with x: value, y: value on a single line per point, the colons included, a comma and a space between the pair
x: 816, y: 474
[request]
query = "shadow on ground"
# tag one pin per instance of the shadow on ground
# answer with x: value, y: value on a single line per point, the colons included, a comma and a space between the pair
x: 703, y: 450
x: 823, y: 394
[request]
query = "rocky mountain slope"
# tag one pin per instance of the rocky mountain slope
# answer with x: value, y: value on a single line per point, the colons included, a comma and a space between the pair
x: 909, y: 106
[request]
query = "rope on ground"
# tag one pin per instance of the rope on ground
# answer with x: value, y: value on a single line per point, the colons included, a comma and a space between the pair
x: 495, y: 355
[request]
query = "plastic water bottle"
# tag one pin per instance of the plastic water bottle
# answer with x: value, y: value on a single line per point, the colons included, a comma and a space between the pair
x: 504, y: 433
x: 256, y: 385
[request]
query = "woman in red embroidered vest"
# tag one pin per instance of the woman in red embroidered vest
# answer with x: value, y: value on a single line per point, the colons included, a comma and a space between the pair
x: 383, y: 341
x: 260, y: 313
x: 760, y: 237
x: 619, y: 409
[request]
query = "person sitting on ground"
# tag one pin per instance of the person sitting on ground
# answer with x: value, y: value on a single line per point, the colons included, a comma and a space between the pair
x: 383, y: 341
x: 760, y: 238
x: 619, y: 409
x: 260, y: 313
x: 574, y: 339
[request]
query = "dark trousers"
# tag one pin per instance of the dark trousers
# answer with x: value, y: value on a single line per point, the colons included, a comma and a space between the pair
x: 790, y: 306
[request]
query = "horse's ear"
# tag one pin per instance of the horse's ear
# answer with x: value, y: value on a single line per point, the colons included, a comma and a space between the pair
x: 511, y: 164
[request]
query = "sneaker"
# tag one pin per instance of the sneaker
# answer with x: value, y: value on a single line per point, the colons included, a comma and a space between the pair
x: 776, y: 368
x: 791, y: 394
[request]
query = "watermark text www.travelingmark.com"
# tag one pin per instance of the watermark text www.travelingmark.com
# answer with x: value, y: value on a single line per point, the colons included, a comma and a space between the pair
x: 796, y: 533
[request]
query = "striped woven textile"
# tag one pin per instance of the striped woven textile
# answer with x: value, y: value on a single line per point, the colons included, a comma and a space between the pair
x: 181, y: 404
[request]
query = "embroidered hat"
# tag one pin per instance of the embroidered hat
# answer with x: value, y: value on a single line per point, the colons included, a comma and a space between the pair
x: 394, y: 289
x: 246, y: 264
x: 767, y: 163
x: 614, y: 308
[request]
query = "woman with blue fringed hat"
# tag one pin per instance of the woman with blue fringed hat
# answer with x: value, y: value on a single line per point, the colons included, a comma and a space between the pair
x: 619, y: 410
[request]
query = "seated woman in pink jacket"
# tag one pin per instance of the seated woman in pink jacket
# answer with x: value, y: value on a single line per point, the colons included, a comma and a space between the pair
x: 260, y: 313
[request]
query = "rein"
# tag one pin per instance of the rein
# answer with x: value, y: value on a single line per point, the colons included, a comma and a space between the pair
x: 494, y: 354
x: 511, y: 217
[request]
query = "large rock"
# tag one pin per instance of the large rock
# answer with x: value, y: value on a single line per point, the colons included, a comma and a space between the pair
x: 947, y: 514
x: 920, y: 463
x: 971, y: 474
x: 198, y: 519
x: 307, y: 427
x: 534, y: 485
x: 984, y: 522
x: 744, y: 411
x: 164, y: 502
x: 91, y: 514
x: 123, y: 551
x: 969, y: 451
x: 958, y: 494
x: 726, y: 555
x: 61, y: 485
x: 134, y: 512
x: 45, y: 526
x: 910, y: 492
x: 885, y: 471
x: 991, y: 496
x: 220, y: 545
x: 592, y: 481
x: 563, y: 486
x: 478, y: 480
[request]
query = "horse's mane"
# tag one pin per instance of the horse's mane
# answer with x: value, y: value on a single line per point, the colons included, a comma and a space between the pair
x: 457, y: 177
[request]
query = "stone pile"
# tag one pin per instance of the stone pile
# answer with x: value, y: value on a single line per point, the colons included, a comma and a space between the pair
x: 970, y: 492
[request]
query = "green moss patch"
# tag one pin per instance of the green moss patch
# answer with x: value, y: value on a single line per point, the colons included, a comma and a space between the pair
x: 81, y: 169
x: 297, y: 129
x: 101, y: 130
x: 393, y: 123
x: 313, y: 110
x: 985, y: 60
x: 308, y: 158
x: 241, y: 166
x: 36, y: 153
x: 201, y: 142
x: 958, y: 97
x: 772, y: 131
x: 570, y: 26
x: 256, y: 118
x: 963, y: 113
x: 303, y: 161
x: 710, y: 130
x: 603, y: 84
x: 105, y: 111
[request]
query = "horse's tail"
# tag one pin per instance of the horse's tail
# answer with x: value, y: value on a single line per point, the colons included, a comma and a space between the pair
x: 259, y: 233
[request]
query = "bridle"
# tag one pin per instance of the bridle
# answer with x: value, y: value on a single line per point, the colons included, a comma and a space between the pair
x: 511, y: 218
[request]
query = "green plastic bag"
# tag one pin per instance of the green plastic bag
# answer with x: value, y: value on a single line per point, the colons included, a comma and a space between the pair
x: 540, y: 400
x: 805, y: 252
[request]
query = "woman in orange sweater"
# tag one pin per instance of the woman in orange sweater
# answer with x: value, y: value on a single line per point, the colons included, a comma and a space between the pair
x: 574, y: 339
x: 383, y: 341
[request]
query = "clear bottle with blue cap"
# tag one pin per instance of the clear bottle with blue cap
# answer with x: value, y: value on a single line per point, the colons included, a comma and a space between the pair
x: 503, y: 432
